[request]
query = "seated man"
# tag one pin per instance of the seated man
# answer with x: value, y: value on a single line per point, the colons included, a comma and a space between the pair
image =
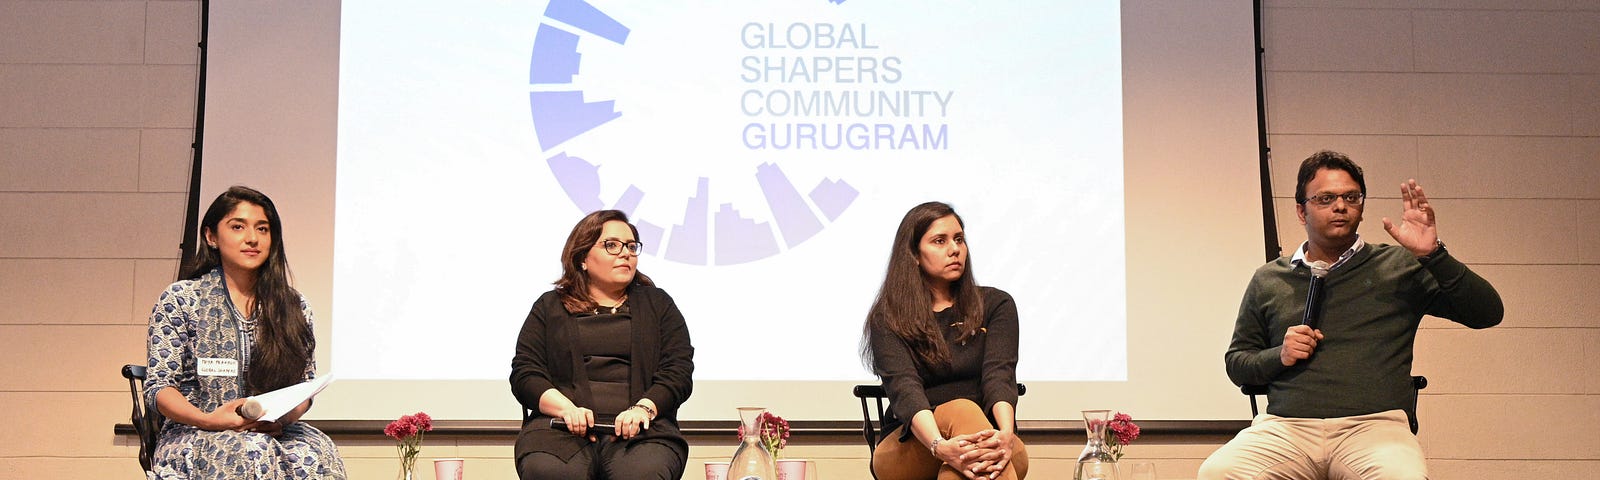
x: 1340, y: 394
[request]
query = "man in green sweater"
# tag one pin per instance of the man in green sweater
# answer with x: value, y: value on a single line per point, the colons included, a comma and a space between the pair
x: 1340, y: 395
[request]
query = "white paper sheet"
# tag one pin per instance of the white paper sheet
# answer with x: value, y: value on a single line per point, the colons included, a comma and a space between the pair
x: 270, y: 406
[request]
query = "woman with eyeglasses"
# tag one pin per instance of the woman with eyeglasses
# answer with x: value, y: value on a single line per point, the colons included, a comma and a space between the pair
x: 946, y: 351
x: 604, y: 362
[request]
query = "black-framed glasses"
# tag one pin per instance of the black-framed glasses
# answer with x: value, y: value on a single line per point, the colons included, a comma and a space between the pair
x: 1326, y: 199
x: 615, y: 247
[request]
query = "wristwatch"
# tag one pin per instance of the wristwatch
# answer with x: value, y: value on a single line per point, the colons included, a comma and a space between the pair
x: 1438, y: 251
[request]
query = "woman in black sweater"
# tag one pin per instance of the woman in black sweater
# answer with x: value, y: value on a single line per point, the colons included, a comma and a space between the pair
x: 946, y: 351
x: 605, y: 346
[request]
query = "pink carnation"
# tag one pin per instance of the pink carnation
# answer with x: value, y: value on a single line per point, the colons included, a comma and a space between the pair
x: 400, y: 429
x: 423, y: 422
x: 1123, y: 427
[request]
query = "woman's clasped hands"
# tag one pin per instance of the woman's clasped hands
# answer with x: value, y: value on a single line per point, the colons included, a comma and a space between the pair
x: 978, y: 455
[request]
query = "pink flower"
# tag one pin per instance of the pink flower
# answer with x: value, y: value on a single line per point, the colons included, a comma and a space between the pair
x: 773, y: 431
x: 423, y: 422
x: 1124, y: 429
x: 400, y: 429
x: 1120, y: 431
x: 408, y: 430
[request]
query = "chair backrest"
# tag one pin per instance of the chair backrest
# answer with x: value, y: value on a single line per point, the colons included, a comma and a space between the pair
x: 871, y: 418
x: 146, y: 418
x: 1418, y: 382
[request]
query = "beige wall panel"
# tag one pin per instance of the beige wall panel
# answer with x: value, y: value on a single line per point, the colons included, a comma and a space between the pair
x: 1290, y: 231
x: 77, y: 468
x: 66, y: 424
x: 1540, y: 296
x: 1499, y: 360
x: 1589, y: 382
x: 1490, y: 469
x: 1501, y: 427
x: 165, y: 159
x: 1384, y: 159
x: 1507, y: 231
x: 169, y: 96
x: 70, y: 95
x: 71, y: 358
x: 1485, y: 104
x: 1340, y: 103
x: 58, y: 292
x: 69, y: 159
x: 172, y: 33
x: 1441, y: 4
x: 1348, y: 40
x: 382, y: 468
x: 1510, y: 167
x: 1588, y: 219
x: 1586, y: 101
x: 71, y: 32
x: 150, y: 278
x: 99, y: 225
x: 1506, y: 41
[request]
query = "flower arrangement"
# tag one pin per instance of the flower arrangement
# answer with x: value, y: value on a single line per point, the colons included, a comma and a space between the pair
x: 774, y: 431
x: 408, y: 430
x: 1120, y: 431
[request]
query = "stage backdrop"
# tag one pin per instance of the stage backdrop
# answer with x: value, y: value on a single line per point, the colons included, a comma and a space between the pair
x: 429, y: 160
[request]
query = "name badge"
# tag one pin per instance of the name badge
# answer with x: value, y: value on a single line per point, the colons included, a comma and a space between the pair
x: 217, y: 367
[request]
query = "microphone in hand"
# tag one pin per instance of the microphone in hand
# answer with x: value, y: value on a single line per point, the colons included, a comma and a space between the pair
x: 251, y: 410
x: 1313, y: 315
x: 557, y: 423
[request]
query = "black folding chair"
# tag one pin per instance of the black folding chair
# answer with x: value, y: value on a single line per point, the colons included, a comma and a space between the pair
x: 146, y: 419
x: 1418, y: 382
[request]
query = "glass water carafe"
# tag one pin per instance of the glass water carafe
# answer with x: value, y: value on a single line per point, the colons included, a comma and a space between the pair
x: 1096, y: 461
x: 751, y: 461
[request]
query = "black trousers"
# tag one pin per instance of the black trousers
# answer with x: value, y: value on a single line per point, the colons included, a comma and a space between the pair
x: 609, y: 458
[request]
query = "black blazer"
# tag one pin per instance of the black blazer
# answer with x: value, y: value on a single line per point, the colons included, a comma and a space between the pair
x: 662, y: 368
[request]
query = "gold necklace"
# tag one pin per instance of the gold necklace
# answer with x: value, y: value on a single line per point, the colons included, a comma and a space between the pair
x: 613, y: 308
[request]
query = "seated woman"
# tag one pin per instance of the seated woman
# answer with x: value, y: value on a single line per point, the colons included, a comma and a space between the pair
x: 605, y: 346
x: 946, y: 351
x: 233, y: 327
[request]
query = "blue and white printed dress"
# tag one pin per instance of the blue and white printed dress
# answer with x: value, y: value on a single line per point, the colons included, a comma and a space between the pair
x: 195, y: 319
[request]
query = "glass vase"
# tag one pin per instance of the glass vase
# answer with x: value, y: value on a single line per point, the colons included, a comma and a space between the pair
x: 1096, y: 461
x: 751, y: 461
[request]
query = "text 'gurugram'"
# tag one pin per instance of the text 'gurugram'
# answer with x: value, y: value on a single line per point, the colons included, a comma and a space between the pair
x: 849, y: 58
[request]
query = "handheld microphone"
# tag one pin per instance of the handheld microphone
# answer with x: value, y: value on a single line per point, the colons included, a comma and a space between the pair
x: 562, y: 424
x: 251, y: 410
x: 1313, y: 317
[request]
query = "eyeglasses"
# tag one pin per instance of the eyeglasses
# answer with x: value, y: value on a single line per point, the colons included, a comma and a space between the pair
x: 1352, y: 199
x: 615, y: 247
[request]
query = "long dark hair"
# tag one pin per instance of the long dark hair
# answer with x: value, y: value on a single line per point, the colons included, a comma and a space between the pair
x: 904, y: 305
x: 573, y: 286
x: 283, y: 344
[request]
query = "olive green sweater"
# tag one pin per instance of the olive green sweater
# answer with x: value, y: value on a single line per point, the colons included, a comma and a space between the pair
x: 1371, y: 308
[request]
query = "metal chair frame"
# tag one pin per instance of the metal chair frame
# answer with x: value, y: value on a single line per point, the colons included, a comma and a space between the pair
x: 146, y: 418
x: 1417, y: 381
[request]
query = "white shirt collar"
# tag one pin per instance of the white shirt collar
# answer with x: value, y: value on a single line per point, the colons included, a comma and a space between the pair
x: 1299, y: 257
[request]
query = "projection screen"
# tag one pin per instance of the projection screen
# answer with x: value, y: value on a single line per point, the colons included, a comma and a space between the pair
x: 429, y: 160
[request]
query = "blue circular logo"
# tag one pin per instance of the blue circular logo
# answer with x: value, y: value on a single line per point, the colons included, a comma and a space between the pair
x: 560, y: 113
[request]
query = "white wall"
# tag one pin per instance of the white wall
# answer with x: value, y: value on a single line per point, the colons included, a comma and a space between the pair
x: 1493, y: 105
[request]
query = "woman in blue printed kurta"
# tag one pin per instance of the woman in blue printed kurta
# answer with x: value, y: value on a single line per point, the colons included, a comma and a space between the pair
x: 232, y: 327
